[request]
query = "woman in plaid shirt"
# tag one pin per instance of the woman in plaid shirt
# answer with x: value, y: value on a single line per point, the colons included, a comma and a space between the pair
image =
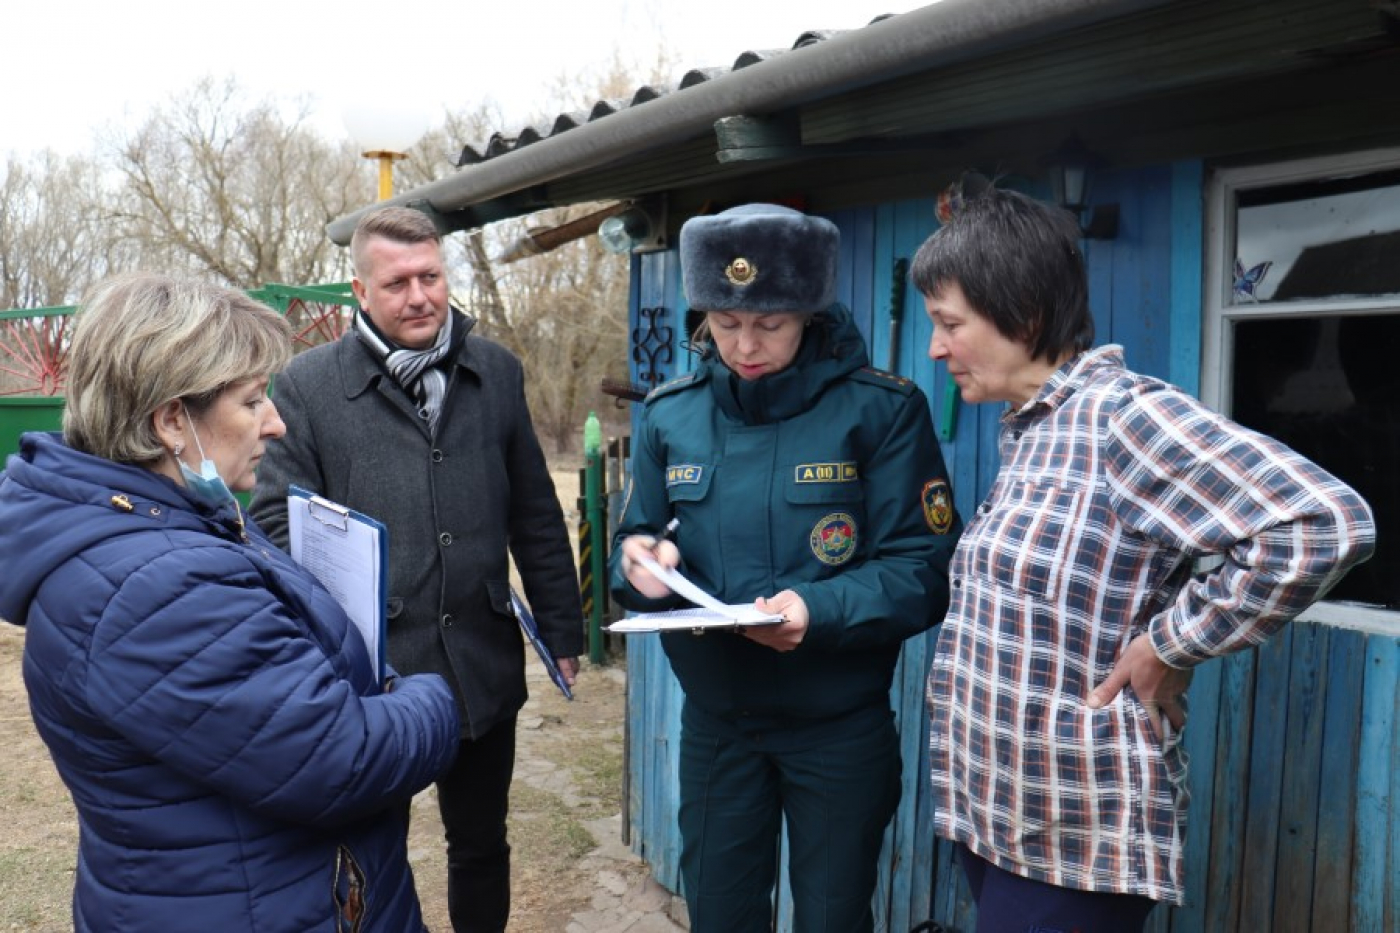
x: 1056, y: 695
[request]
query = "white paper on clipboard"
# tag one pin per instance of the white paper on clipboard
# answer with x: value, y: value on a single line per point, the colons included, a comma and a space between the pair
x: 349, y: 553
x: 710, y: 614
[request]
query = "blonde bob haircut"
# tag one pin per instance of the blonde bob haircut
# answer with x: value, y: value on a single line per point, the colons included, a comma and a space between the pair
x: 142, y: 340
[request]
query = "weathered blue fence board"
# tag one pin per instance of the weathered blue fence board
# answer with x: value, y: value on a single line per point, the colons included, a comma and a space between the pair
x: 1225, y: 834
x: 1187, y: 225
x: 1208, y: 682
x: 908, y: 855
x: 1301, y: 769
x: 1378, y: 790
x: 1265, y: 776
x: 1390, y: 912
x: 654, y: 719
x: 1341, y: 737
x: 858, y: 276
x: 1200, y: 738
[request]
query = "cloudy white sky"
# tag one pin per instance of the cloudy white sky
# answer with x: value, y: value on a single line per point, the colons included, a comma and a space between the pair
x: 73, y: 68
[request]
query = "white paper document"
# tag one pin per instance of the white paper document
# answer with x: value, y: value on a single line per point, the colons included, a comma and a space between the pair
x: 348, y: 553
x: 711, y: 613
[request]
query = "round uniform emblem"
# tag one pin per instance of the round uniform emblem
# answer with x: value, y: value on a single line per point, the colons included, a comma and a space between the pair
x: 834, y: 538
x: 938, y: 506
x: 741, y: 272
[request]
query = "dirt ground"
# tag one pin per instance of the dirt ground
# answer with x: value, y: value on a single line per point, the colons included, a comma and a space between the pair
x: 568, y: 779
x: 568, y: 773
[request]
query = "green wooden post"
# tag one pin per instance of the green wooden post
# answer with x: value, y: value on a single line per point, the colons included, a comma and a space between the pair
x: 948, y: 424
x: 593, y: 505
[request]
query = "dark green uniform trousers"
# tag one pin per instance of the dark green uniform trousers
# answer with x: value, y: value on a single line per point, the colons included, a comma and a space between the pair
x: 837, y: 783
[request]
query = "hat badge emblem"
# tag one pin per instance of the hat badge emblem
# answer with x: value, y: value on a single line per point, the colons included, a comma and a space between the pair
x: 741, y: 272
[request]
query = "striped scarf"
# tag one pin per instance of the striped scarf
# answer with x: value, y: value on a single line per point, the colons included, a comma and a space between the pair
x: 415, y: 370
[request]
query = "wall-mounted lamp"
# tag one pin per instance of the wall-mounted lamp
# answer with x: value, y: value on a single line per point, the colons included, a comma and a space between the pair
x: 641, y: 227
x: 1070, y: 168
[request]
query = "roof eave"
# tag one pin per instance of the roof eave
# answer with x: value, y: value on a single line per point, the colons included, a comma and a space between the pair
x: 942, y: 33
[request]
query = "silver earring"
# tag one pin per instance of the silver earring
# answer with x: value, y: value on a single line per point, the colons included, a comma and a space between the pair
x: 179, y: 449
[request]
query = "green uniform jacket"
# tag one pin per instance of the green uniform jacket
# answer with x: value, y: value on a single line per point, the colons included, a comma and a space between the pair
x: 825, y: 479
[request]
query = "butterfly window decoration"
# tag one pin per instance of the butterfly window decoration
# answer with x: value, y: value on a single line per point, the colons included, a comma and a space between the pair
x: 1247, y: 281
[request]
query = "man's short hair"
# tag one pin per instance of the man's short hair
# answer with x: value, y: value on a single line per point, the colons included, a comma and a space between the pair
x: 398, y: 224
x: 142, y: 340
x: 1018, y: 262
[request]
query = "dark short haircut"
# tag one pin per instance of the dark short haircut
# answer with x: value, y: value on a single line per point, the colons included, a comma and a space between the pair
x: 1018, y: 263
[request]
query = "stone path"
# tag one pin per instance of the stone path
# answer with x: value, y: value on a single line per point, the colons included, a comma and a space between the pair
x: 625, y: 898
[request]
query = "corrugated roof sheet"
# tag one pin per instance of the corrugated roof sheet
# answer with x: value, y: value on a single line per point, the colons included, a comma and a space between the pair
x: 504, y: 142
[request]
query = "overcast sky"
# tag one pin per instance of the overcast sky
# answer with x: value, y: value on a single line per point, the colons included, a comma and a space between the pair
x: 73, y: 67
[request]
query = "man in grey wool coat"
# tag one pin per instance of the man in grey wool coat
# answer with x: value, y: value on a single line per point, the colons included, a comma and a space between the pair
x: 412, y: 421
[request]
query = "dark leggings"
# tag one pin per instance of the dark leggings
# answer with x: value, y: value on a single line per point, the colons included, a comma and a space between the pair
x: 1008, y: 903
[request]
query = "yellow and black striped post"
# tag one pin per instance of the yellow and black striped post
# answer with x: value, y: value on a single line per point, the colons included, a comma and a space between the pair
x: 585, y: 547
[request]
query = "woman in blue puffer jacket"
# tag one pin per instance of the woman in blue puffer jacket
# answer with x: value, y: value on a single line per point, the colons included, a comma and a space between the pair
x: 235, y: 761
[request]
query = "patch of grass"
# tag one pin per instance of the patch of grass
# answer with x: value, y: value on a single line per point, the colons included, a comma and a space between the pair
x: 547, y: 828
x: 38, y: 888
x: 597, y: 768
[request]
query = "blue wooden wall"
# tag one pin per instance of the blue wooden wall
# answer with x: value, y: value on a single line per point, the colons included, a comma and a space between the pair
x: 1294, y: 753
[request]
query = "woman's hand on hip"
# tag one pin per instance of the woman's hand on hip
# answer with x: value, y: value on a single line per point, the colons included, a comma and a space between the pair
x: 1158, y: 686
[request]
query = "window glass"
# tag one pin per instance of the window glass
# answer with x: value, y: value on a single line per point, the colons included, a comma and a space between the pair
x: 1333, y: 238
x: 1329, y: 387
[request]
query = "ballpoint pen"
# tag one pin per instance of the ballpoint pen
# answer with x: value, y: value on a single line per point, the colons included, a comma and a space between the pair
x: 669, y: 532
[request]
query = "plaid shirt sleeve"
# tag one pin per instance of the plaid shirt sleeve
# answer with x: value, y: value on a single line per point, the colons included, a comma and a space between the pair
x: 1195, y: 482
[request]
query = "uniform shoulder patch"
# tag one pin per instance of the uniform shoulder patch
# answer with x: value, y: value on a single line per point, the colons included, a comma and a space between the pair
x: 880, y: 377
x: 937, y: 501
x: 674, y: 385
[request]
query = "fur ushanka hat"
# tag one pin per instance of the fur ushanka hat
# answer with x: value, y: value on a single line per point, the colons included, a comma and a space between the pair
x: 761, y: 258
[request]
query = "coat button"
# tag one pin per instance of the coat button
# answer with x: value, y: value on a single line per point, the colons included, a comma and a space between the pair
x: 437, y: 456
x: 445, y: 539
x: 447, y: 621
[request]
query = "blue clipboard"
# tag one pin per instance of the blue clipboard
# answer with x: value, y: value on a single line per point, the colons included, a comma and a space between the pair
x: 532, y: 633
x: 348, y: 552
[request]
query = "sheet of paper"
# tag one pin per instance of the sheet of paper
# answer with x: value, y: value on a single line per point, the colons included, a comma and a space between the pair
x: 711, y: 612
x: 680, y: 620
x: 680, y: 585
x: 343, y: 551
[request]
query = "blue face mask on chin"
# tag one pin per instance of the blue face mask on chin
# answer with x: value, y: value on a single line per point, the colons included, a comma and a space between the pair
x: 207, y: 484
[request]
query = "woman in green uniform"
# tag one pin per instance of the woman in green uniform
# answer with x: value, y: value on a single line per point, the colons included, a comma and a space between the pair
x: 812, y: 484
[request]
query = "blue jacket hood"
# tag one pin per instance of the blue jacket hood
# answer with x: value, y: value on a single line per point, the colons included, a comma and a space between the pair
x: 56, y: 502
